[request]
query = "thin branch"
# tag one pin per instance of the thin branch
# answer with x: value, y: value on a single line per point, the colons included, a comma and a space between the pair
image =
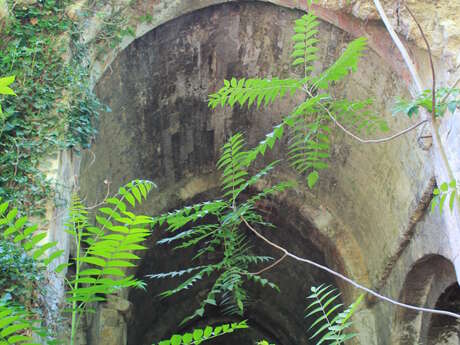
x: 271, y: 266
x: 361, y: 140
x: 107, y: 182
x: 433, y: 74
x: 373, y: 141
x: 454, y: 85
x: 348, y: 280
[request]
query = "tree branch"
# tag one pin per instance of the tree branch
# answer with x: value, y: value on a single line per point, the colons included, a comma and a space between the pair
x: 271, y: 266
x: 366, y: 141
x: 433, y: 74
x: 372, y: 141
x: 348, y: 280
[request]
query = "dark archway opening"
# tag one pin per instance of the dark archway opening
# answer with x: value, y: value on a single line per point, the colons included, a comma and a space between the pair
x: 275, y: 316
x: 429, y: 283
x: 444, y: 329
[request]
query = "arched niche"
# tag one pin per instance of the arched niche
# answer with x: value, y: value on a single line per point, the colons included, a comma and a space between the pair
x: 429, y: 283
x: 445, y: 329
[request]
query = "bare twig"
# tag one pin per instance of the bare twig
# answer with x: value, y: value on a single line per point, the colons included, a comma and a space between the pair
x: 271, y: 266
x: 361, y: 140
x: 373, y: 141
x: 348, y: 280
x: 454, y: 85
x: 433, y: 74
x: 107, y: 182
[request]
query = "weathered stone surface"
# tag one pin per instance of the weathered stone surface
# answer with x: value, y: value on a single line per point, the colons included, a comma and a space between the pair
x: 438, y: 18
x: 364, y: 203
x: 3, y: 10
x: 108, y: 328
x: 157, y: 89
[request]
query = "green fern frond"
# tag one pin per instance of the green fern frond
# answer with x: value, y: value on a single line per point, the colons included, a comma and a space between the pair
x: 15, y: 326
x: 330, y: 323
x: 198, y: 335
x: 252, y: 91
x: 345, y: 64
x: 305, y: 42
x: 309, y: 145
x: 19, y: 230
x: 189, y: 214
x: 233, y: 164
x: 101, y: 268
x: 358, y: 115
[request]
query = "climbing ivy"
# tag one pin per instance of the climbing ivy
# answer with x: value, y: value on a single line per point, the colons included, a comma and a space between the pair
x: 54, y: 107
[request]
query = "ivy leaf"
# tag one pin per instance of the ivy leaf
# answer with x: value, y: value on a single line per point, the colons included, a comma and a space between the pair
x: 4, y: 89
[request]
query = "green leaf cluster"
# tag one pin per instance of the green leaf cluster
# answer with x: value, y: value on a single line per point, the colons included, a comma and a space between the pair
x: 309, y: 124
x: 5, y: 89
x: 447, y: 191
x: 331, y: 324
x: 224, y: 234
x: 447, y: 99
x: 54, y: 107
x: 107, y: 248
x: 21, y: 275
x: 198, y: 335
x: 15, y: 326
x: 19, y: 231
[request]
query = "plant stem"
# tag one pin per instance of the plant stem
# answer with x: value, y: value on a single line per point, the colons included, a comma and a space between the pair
x: 75, y: 287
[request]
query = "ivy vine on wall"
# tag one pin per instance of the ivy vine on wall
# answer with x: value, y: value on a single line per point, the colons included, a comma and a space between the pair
x: 54, y: 107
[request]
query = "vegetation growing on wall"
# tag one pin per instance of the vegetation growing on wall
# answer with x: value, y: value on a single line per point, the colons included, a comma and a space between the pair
x: 55, y: 107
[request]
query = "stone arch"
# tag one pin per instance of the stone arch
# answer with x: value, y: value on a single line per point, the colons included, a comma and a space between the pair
x: 427, y: 281
x: 160, y: 127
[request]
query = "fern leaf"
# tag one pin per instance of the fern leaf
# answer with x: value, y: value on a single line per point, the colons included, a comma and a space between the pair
x: 345, y: 64
x: 305, y: 40
x: 309, y: 140
x: 198, y: 335
x: 253, y: 91
x: 358, y: 115
x: 330, y: 323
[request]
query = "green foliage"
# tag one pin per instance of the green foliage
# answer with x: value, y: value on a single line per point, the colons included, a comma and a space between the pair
x: 5, y: 89
x: 330, y: 324
x: 446, y: 99
x: 24, y: 254
x: 309, y: 123
x: 105, y: 250
x: 18, y: 230
x: 55, y: 107
x: 225, y: 236
x: 305, y: 43
x: 20, y: 274
x: 264, y: 342
x: 198, y: 335
x: 15, y: 326
x: 446, y: 191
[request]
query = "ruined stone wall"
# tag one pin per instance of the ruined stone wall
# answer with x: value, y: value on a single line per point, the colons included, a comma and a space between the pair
x: 369, y: 207
x: 369, y: 201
